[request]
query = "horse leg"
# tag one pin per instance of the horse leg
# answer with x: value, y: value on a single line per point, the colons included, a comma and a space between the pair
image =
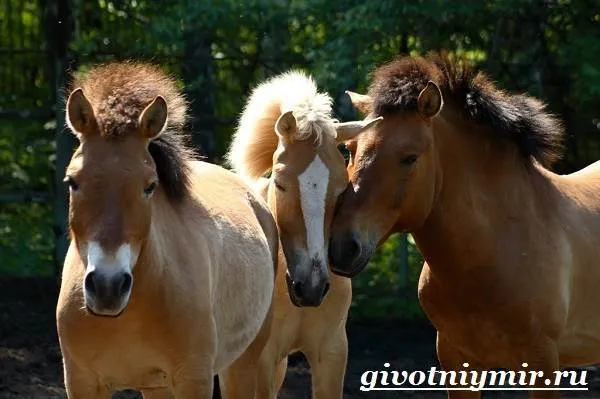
x: 239, y: 380
x: 544, y: 357
x: 193, y: 385
x: 81, y: 384
x: 270, y: 373
x: 452, y: 359
x: 193, y: 375
x: 328, y: 366
x: 280, y: 371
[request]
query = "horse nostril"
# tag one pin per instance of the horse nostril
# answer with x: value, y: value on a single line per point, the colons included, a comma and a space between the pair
x: 89, y: 282
x: 124, y: 284
x: 326, y: 289
x: 298, y: 289
x: 355, y: 247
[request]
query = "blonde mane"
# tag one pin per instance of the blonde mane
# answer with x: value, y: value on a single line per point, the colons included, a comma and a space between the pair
x: 255, y: 141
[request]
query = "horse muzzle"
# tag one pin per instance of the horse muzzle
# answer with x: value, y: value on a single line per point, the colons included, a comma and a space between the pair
x: 107, y: 295
x: 348, y: 254
x: 307, y: 293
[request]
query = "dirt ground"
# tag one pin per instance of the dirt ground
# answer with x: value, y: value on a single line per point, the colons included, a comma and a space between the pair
x: 30, y: 360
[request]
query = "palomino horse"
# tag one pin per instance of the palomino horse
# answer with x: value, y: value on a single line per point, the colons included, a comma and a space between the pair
x: 170, y: 272
x: 511, y: 273
x: 287, y: 129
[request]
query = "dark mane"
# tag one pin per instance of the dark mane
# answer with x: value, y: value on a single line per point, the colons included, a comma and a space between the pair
x: 119, y: 92
x: 518, y: 118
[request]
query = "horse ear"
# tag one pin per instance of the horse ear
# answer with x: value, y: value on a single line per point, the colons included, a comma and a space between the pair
x: 80, y: 114
x: 361, y: 102
x: 153, y: 119
x: 430, y: 101
x: 348, y: 130
x: 285, y: 127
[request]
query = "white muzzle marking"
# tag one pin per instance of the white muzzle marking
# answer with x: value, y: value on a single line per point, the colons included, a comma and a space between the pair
x: 106, y: 267
x: 313, y: 192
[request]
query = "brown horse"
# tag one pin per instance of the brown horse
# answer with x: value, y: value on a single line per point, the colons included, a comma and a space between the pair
x: 511, y: 273
x: 170, y: 272
x: 287, y: 129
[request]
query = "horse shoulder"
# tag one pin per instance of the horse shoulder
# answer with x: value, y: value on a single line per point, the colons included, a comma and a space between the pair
x: 262, y: 187
x: 244, y: 222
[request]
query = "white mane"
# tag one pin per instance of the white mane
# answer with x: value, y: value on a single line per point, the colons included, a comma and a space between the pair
x: 255, y: 139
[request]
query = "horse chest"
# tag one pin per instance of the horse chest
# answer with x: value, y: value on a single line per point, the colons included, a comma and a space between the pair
x: 122, y: 353
x: 128, y: 365
x: 138, y: 378
x: 471, y: 324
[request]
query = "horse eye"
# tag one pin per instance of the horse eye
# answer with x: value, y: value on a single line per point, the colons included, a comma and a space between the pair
x: 73, y: 186
x: 346, y: 153
x: 148, y: 191
x: 279, y: 186
x: 409, y: 160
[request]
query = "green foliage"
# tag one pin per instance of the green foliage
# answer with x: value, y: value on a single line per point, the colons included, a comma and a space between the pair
x: 220, y: 50
x: 26, y: 239
x: 26, y: 155
x: 26, y: 235
x: 382, y: 290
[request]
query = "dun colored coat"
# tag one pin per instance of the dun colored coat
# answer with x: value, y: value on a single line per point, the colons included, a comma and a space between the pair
x: 287, y: 130
x: 170, y: 271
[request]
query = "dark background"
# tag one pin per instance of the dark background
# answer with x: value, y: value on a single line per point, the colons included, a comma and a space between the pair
x: 219, y: 50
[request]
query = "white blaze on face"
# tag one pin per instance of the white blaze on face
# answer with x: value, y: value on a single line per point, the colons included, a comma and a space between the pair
x: 313, y: 193
x: 122, y: 260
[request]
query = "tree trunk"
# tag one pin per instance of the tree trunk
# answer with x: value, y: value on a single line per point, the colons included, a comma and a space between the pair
x: 198, y: 75
x: 58, y: 27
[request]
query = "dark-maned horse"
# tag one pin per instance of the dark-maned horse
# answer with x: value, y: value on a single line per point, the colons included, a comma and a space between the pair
x: 512, y: 269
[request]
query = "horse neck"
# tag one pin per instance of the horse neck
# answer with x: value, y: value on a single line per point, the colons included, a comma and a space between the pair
x: 486, y: 191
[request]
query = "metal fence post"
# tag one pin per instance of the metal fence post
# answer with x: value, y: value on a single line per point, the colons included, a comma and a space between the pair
x: 403, y: 256
x: 57, y: 22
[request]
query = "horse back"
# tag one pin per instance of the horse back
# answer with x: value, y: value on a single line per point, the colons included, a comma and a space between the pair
x: 580, y: 191
x: 224, y: 193
x: 579, y: 213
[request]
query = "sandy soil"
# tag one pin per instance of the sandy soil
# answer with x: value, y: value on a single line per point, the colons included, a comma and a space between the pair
x: 30, y: 360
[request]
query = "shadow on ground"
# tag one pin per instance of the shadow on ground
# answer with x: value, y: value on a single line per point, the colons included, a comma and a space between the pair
x: 30, y: 360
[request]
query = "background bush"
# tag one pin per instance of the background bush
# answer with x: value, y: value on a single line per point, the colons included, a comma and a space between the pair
x: 219, y: 50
